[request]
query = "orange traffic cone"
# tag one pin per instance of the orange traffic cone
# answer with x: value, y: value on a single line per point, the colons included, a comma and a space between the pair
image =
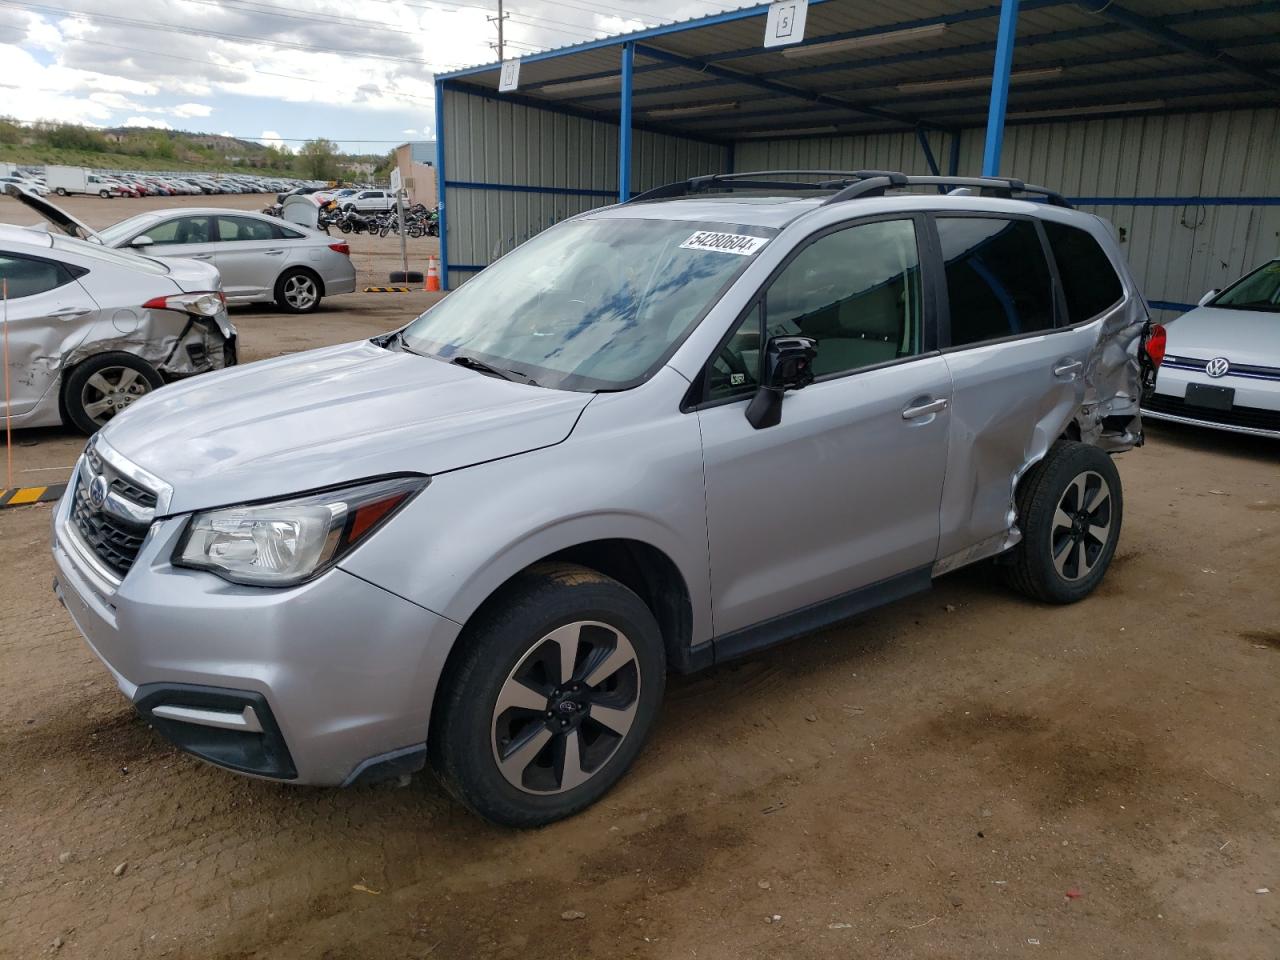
x: 433, y: 275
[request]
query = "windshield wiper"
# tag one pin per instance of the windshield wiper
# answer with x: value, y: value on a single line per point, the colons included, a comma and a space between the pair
x: 472, y: 363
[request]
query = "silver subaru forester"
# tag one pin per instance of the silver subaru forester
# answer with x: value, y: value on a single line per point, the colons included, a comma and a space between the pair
x: 654, y: 437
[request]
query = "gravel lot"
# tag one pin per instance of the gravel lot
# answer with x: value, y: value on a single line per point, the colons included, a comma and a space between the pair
x: 964, y: 774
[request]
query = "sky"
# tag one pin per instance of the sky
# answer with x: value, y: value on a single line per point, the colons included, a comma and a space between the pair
x: 359, y: 72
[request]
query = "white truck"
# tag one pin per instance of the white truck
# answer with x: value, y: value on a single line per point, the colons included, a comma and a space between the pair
x: 71, y: 180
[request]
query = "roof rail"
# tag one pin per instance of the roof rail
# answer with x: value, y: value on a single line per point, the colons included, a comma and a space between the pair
x: 846, y: 184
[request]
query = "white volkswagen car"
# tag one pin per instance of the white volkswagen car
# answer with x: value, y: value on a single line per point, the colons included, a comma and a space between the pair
x: 1222, y: 360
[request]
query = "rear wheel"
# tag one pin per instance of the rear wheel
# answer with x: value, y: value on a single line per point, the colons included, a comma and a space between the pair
x: 61, y: 191
x: 1070, y: 506
x: 551, y: 699
x: 298, y: 291
x: 103, y: 386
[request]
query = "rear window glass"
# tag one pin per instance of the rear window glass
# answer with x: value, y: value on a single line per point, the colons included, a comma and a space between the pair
x: 1089, y: 280
x: 998, y: 282
x: 27, y: 277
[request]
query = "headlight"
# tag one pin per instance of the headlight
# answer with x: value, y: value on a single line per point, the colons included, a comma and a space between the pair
x: 283, y: 543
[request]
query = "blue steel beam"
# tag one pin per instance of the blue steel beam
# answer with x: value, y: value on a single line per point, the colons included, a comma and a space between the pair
x: 1161, y: 31
x: 624, y: 124
x: 442, y: 222
x: 1006, y: 36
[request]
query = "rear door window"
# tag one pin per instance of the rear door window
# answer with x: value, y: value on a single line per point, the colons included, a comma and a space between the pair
x: 1089, y: 281
x: 242, y: 228
x: 182, y: 230
x: 998, y: 280
x: 28, y: 277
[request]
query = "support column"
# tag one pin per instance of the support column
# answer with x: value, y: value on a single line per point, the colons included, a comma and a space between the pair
x: 624, y: 124
x: 440, y: 188
x: 1000, y: 71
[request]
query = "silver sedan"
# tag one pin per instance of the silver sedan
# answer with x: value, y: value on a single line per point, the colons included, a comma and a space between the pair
x: 260, y: 258
x: 1222, y: 360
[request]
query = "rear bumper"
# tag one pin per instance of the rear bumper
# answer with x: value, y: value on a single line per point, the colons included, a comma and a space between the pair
x: 323, y: 683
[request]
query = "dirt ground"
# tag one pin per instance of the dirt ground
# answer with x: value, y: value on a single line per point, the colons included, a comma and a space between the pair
x: 964, y: 774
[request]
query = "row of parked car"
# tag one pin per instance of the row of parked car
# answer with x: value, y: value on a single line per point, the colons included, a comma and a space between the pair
x: 67, y: 181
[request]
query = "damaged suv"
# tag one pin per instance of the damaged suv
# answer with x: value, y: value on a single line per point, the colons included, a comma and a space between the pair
x: 92, y: 330
x: 654, y: 437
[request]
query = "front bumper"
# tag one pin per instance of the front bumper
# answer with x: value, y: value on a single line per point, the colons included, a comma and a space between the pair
x: 1255, y: 411
x: 320, y: 684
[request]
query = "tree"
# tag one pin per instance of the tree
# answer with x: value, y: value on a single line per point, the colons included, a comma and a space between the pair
x: 318, y: 159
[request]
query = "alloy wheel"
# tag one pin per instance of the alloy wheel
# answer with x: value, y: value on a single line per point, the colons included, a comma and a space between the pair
x: 565, y: 708
x: 110, y: 390
x: 300, y: 291
x: 1081, y: 526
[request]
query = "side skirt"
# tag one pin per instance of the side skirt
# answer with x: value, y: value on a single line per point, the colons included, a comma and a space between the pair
x: 817, y: 616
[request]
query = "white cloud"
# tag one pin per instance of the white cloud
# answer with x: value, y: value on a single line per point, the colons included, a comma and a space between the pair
x: 147, y: 122
x: 271, y: 138
x: 191, y: 110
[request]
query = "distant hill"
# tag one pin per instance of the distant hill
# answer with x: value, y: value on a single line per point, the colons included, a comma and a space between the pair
x: 146, y: 148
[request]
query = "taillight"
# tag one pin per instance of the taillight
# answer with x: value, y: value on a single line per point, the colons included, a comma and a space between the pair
x: 1155, y: 344
x: 342, y: 248
x: 206, y: 304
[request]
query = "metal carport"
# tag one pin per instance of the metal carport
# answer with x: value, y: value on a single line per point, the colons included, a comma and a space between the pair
x: 1161, y: 116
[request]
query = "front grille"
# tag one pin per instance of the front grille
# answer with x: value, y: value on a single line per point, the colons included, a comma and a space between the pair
x: 118, y: 482
x: 1251, y: 417
x: 114, y: 539
x: 1251, y: 371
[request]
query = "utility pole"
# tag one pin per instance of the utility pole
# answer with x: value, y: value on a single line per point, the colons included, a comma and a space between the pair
x: 499, y: 20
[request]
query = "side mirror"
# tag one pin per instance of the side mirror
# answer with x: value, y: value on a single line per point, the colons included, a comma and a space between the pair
x: 788, y: 365
x: 1207, y: 297
x: 141, y: 240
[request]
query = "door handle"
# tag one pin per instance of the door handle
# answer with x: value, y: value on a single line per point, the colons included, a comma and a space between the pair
x: 202, y: 256
x: 273, y: 253
x: 68, y: 313
x: 1067, y: 368
x: 924, y: 409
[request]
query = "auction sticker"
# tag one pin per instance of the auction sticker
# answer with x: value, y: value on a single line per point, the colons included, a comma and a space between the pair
x: 738, y: 243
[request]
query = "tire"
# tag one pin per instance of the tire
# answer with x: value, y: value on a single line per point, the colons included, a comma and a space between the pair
x: 298, y: 291
x: 105, y: 194
x: 61, y: 191
x: 400, y: 276
x: 1070, y: 507
x: 100, y: 387
x: 518, y: 637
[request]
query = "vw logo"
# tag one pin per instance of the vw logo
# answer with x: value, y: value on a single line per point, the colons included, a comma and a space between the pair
x: 1217, y: 367
x: 98, y: 491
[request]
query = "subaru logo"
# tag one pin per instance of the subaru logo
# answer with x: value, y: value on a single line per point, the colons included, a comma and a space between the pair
x: 1217, y: 367
x: 98, y: 491
x: 568, y: 706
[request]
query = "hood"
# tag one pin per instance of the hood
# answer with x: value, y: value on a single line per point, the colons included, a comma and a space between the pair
x: 54, y: 215
x: 1242, y: 336
x: 331, y: 416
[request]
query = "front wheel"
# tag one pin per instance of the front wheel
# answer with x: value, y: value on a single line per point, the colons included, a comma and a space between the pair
x: 105, y: 194
x: 551, y: 698
x: 298, y: 291
x: 1070, y: 506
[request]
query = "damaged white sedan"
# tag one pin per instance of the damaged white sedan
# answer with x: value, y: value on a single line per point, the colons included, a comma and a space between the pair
x: 91, y: 329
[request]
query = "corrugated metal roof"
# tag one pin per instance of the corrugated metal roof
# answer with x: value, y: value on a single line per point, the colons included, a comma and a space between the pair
x: 915, y: 63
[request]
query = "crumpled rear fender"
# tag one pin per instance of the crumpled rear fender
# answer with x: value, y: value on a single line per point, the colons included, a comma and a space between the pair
x: 177, y: 346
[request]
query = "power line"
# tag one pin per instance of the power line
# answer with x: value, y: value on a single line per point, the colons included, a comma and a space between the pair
x: 258, y: 6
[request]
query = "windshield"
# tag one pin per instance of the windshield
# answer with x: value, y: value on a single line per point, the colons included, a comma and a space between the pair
x: 589, y: 304
x: 126, y: 228
x: 1259, y: 290
x: 119, y: 258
